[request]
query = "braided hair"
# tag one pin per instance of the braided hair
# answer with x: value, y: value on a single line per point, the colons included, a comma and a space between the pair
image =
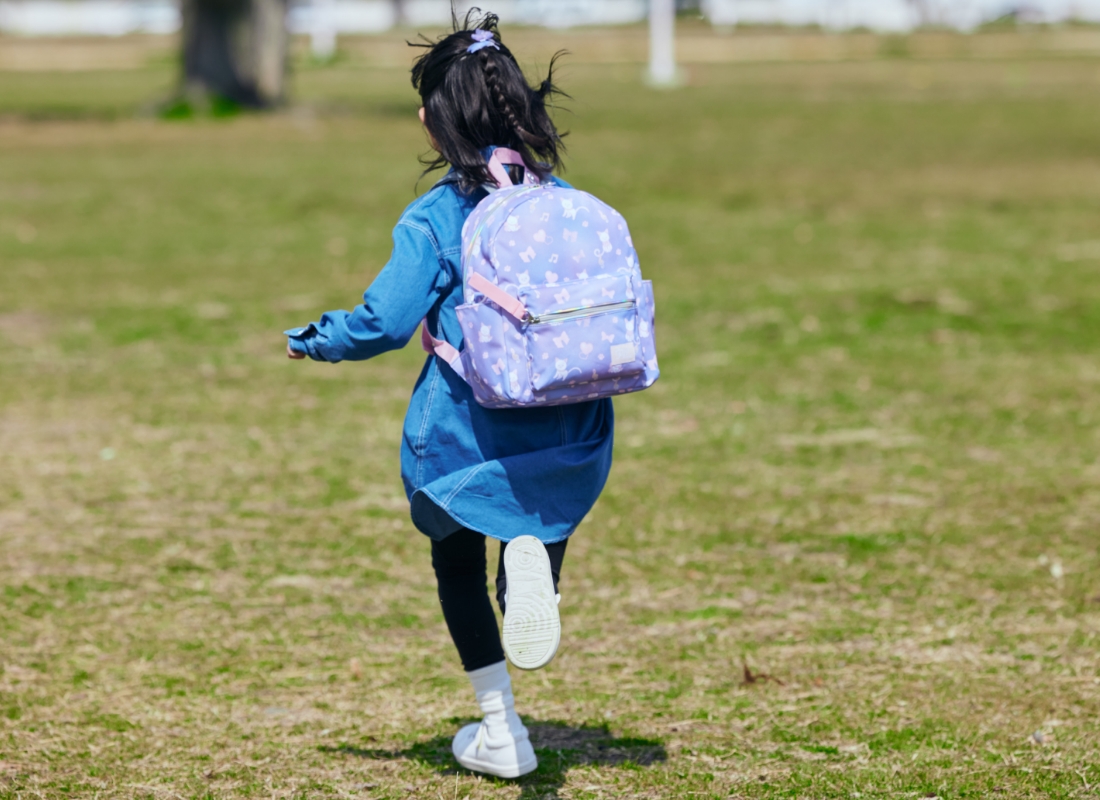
x: 473, y: 100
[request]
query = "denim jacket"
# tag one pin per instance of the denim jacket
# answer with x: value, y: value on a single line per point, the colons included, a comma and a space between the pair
x: 502, y: 472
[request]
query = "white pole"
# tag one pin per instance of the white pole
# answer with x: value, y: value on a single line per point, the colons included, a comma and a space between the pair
x: 662, y: 53
x: 322, y: 37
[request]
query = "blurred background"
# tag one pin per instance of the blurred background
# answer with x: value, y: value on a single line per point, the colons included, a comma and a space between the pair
x: 849, y: 542
x: 118, y: 17
x: 238, y: 51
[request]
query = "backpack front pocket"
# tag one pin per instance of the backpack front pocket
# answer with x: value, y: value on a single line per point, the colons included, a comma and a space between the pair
x: 577, y: 340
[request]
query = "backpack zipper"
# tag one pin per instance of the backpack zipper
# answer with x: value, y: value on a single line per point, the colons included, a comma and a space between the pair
x: 578, y: 313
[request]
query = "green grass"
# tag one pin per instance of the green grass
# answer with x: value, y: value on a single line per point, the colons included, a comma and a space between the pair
x: 869, y: 471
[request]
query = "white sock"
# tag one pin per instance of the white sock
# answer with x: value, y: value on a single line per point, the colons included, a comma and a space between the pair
x: 493, y: 688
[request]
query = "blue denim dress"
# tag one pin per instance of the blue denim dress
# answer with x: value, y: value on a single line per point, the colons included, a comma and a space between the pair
x: 502, y: 472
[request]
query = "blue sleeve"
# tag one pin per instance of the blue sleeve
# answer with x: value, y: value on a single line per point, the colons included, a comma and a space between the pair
x: 393, y: 306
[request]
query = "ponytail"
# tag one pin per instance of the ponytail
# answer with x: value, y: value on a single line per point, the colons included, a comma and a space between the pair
x: 475, y: 96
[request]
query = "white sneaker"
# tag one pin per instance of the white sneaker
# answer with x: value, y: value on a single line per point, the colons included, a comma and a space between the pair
x: 506, y: 756
x: 499, y: 744
x: 532, y: 627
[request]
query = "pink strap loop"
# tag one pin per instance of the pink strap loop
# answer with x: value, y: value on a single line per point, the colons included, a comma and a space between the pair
x: 502, y: 156
x: 442, y: 349
x: 509, y: 304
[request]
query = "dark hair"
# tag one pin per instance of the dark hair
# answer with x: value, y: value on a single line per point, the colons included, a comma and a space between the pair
x: 474, y: 100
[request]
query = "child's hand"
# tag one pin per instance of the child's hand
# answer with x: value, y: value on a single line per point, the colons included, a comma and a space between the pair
x: 291, y: 353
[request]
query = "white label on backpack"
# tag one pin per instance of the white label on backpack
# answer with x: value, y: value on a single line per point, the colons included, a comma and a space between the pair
x: 622, y: 354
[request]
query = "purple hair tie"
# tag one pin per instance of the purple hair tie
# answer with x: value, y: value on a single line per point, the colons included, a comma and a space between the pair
x: 482, y: 39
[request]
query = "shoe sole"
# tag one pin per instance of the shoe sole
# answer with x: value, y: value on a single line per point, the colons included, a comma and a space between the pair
x: 474, y: 765
x: 532, y: 627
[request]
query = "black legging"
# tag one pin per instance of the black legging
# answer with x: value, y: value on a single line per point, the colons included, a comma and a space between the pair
x: 459, y: 563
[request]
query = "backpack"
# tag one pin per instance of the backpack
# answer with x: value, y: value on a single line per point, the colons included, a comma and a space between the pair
x: 555, y: 308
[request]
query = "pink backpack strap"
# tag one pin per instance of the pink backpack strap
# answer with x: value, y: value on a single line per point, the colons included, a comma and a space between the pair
x: 442, y: 349
x: 509, y: 304
x: 502, y: 156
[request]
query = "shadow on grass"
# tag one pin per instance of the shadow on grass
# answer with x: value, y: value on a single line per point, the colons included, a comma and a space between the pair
x: 559, y: 746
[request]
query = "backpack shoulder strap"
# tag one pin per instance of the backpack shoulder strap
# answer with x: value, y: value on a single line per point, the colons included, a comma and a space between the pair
x: 504, y: 157
x: 443, y: 349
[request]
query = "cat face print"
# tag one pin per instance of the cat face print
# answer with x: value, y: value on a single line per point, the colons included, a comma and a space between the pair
x: 567, y: 209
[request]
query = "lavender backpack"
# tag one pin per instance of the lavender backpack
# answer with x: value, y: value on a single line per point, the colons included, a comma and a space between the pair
x: 555, y: 308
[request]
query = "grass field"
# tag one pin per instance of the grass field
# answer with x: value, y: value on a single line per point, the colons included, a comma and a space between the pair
x: 869, y: 470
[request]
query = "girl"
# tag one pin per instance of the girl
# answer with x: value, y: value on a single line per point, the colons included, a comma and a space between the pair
x: 525, y: 476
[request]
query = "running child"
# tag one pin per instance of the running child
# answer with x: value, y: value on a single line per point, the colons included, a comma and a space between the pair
x: 525, y: 476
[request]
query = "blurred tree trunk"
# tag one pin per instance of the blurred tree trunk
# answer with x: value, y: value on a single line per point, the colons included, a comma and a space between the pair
x: 235, y: 50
